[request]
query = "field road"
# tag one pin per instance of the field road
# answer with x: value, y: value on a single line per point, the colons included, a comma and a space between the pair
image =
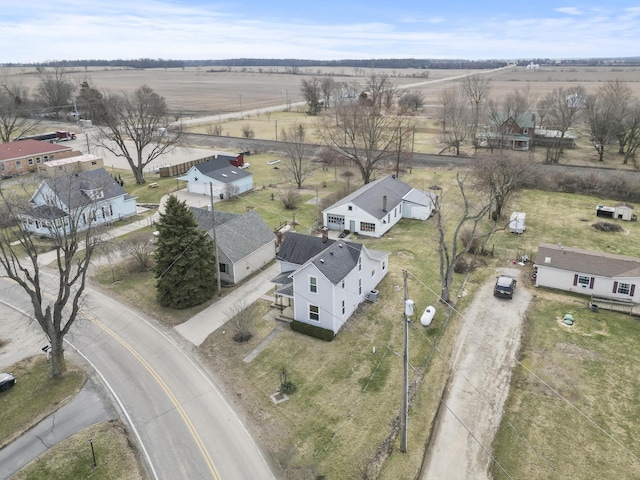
x: 277, y: 108
x: 183, y: 425
x: 480, y: 374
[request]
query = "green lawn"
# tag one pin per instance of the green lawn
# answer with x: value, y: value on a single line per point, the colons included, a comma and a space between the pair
x: 73, y: 459
x: 574, y: 404
x: 35, y: 395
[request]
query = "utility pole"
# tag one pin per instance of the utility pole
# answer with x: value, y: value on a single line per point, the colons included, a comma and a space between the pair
x: 215, y: 242
x: 404, y: 418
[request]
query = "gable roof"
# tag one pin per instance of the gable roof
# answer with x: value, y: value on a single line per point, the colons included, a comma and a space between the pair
x: 333, y: 258
x: 370, y: 197
x: 237, y: 235
x: 419, y: 197
x: 587, y: 261
x: 25, y: 148
x: 298, y: 248
x: 524, y: 120
x: 73, y: 190
x: 212, y: 165
x: 226, y: 174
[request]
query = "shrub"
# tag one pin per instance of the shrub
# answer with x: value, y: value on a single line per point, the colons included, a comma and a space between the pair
x: 469, y: 240
x: 287, y: 387
x: 462, y: 265
x: 290, y: 198
x: 312, y: 331
x: 247, y: 131
x: 607, y: 227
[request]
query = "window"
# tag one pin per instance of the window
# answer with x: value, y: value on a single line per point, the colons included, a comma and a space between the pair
x: 359, y: 286
x: 314, y: 313
x: 367, y: 227
x: 395, y: 212
x: 389, y: 218
x: 343, y: 307
x: 335, y: 219
x: 373, y: 272
x: 30, y: 161
x: 18, y: 164
x: 384, y: 265
x: 343, y: 284
x: 37, y: 159
x: 624, y: 288
x: 584, y: 281
x: 223, y: 267
x: 350, y: 208
x: 360, y: 264
x: 313, y: 284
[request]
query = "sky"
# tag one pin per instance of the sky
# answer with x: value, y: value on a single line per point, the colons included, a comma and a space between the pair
x: 39, y: 31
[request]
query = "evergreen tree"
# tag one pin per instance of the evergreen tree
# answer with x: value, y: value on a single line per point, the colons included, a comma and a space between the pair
x: 185, y: 260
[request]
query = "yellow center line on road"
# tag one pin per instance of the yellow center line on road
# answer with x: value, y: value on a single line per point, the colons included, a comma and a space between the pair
x: 163, y: 385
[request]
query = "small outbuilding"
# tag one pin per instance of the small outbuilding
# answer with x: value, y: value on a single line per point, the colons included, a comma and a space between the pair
x: 624, y: 211
x: 517, y: 222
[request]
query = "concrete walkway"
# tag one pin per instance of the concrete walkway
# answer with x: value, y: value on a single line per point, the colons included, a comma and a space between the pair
x: 200, y: 326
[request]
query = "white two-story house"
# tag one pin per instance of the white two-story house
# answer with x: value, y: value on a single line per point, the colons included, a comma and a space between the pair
x: 325, y: 280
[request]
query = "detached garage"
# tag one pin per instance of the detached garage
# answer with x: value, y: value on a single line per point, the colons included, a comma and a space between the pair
x: 224, y: 178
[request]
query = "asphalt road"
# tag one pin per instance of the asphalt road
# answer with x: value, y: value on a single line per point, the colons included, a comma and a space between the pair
x: 182, y: 422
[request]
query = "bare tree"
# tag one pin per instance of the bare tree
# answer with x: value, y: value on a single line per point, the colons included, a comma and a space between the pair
x: 70, y: 222
x: 633, y: 132
x: 560, y: 110
x: 15, y: 119
x: 499, y: 177
x: 454, y: 116
x: 406, y: 127
x: 476, y: 90
x: 410, y: 102
x: 328, y: 87
x: 55, y: 91
x: 365, y: 131
x: 241, y: 318
x: 295, y: 150
x: 311, y: 92
x: 139, y: 246
x: 470, y: 214
x: 599, y: 117
x: 619, y: 97
x: 137, y: 129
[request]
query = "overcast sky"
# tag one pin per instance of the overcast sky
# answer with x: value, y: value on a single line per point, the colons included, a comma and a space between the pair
x: 37, y: 30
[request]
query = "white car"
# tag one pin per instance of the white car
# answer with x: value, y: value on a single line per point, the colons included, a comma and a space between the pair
x: 7, y: 380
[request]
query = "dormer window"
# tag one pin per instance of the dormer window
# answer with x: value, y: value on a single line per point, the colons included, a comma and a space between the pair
x: 94, y: 193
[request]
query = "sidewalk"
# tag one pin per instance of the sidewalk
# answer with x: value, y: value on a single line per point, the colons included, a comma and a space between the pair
x: 200, y: 326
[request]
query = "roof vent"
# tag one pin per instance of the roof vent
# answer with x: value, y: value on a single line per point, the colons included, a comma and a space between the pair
x: 322, y: 260
x: 340, y: 245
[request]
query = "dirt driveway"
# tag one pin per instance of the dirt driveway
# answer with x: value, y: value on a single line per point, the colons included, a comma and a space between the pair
x: 481, y: 366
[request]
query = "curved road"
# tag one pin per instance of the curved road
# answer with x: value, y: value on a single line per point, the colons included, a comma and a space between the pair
x: 182, y: 422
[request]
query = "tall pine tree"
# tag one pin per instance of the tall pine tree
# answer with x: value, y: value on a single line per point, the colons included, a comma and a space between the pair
x: 185, y: 259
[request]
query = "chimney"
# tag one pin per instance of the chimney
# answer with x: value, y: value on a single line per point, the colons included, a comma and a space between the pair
x: 384, y: 203
x: 325, y: 234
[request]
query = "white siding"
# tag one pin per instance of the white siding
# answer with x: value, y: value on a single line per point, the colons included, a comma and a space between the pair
x: 600, y: 286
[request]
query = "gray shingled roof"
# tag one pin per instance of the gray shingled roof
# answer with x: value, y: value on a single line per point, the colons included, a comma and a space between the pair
x: 333, y: 258
x: 72, y: 190
x: 587, y: 261
x: 237, y: 235
x: 298, y: 248
x: 226, y: 174
x: 419, y: 197
x: 371, y: 196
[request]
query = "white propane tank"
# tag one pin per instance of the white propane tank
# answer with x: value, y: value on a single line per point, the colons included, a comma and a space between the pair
x: 427, y: 316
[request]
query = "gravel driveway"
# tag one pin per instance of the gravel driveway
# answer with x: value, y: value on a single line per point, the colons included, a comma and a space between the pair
x: 481, y: 366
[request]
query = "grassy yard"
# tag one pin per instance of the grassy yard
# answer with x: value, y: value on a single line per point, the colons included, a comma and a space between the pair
x: 574, y: 402
x: 345, y: 409
x: 35, y: 395
x: 72, y: 458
